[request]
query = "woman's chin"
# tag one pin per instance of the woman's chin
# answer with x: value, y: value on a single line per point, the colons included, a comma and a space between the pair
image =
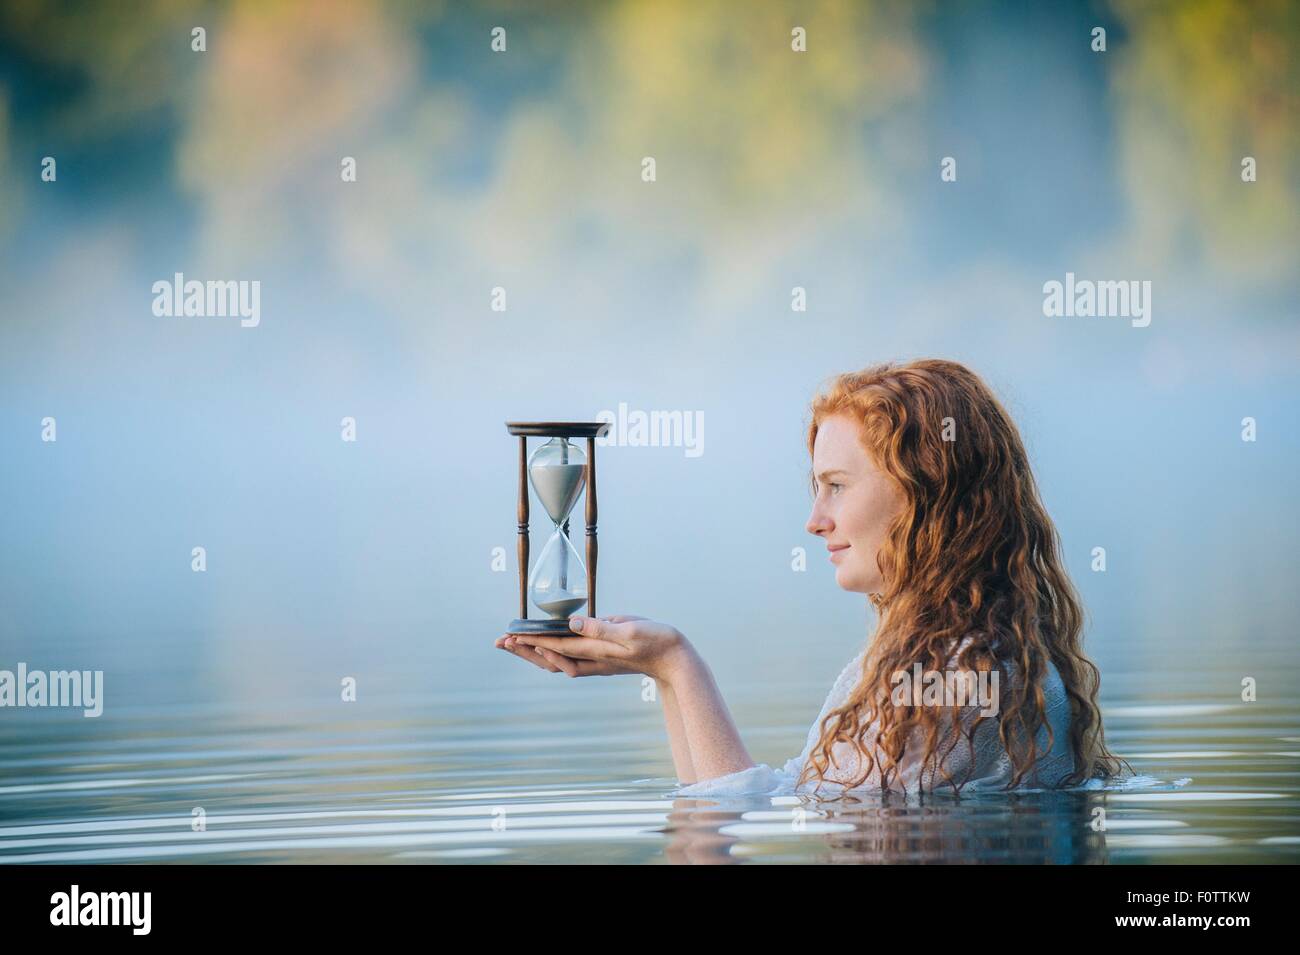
x: 846, y: 581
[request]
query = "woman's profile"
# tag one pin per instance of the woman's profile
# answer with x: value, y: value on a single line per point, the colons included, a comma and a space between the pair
x: 924, y: 496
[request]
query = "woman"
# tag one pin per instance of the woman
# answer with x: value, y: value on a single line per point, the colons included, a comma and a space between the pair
x: 925, y: 498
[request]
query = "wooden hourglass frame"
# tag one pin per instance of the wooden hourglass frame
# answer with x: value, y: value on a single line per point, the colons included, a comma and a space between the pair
x: 555, y: 626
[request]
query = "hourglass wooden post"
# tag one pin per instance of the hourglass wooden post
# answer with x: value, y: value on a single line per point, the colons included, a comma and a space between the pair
x: 591, y: 527
x: 558, y: 584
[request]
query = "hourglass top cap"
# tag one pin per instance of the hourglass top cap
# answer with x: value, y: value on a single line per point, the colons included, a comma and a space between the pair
x: 558, y: 429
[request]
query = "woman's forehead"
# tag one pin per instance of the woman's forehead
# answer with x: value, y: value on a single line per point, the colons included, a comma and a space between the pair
x: 838, y: 441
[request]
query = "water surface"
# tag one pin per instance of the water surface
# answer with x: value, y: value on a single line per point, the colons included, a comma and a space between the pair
x: 541, y: 768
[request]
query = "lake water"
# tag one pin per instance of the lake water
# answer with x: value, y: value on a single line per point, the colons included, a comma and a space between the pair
x: 541, y: 768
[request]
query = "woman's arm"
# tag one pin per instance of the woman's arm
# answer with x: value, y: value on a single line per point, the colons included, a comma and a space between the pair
x: 712, y: 740
x: 676, y: 733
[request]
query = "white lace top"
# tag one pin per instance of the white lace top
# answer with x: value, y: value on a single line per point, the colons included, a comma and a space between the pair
x: 991, y: 767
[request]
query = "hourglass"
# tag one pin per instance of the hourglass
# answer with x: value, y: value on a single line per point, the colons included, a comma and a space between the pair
x: 559, y: 471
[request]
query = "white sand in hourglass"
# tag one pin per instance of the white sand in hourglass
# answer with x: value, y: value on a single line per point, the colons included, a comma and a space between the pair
x: 558, y: 487
x: 559, y: 605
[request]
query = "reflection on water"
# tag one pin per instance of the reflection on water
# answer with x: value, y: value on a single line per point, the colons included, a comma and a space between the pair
x: 527, y: 776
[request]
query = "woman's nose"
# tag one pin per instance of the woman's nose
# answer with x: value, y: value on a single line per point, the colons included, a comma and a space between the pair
x: 818, y: 523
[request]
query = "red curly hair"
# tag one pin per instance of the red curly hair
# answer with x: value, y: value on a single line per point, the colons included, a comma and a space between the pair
x: 973, y: 553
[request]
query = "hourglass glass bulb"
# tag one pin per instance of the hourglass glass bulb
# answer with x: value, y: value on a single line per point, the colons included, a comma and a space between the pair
x: 558, y: 471
x: 558, y: 583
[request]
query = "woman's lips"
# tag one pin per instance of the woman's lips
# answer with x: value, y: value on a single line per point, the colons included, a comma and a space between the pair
x: 836, y: 549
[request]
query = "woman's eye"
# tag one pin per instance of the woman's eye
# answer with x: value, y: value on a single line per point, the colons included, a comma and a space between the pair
x: 835, y: 487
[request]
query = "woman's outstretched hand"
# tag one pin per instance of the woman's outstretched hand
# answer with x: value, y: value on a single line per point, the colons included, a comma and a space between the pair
x: 603, y: 646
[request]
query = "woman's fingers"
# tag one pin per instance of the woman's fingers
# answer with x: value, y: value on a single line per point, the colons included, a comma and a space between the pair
x: 526, y: 653
x: 557, y: 662
x: 535, y: 658
x: 579, y: 648
x: 611, y: 632
x: 562, y: 663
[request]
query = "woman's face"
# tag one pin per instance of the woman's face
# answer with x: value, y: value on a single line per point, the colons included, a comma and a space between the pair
x: 855, y: 504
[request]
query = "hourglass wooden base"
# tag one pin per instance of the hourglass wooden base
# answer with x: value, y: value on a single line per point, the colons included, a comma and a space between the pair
x: 546, y: 627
